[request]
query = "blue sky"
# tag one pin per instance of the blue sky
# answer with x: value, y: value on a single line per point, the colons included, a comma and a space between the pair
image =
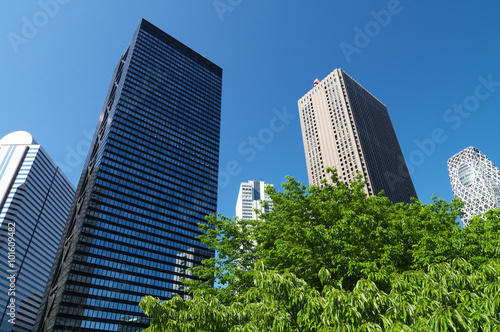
x: 434, y: 65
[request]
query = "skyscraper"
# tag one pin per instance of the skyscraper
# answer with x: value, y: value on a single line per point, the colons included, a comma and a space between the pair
x: 345, y: 126
x: 35, y: 197
x: 476, y: 180
x: 249, y: 198
x: 150, y: 177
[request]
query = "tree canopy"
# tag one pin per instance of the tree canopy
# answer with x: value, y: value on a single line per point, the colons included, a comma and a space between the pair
x: 332, y: 259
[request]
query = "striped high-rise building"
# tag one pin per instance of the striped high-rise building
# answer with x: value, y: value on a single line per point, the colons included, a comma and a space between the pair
x: 149, y: 179
x: 345, y: 126
x: 35, y: 198
x: 251, y: 197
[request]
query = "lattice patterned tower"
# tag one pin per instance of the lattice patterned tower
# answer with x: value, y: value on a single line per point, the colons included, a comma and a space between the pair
x: 476, y: 180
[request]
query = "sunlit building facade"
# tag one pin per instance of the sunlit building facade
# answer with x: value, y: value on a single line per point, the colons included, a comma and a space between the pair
x: 35, y: 198
x: 345, y: 126
x: 149, y: 179
x: 251, y: 198
x: 476, y: 180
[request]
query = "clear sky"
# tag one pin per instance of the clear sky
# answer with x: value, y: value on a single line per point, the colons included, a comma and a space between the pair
x: 435, y: 65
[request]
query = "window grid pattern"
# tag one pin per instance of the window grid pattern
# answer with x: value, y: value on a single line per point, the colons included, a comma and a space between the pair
x: 152, y: 179
x: 345, y: 126
x: 37, y: 203
x: 251, y: 197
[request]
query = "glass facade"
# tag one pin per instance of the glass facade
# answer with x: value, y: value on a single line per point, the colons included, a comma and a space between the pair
x: 35, y: 198
x: 149, y: 179
x: 385, y: 164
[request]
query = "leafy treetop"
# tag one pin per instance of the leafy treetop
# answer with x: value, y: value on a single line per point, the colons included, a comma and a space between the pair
x: 331, y: 259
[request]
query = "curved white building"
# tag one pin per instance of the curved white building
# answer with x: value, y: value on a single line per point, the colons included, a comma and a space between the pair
x: 35, y: 197
x: 476, y: 180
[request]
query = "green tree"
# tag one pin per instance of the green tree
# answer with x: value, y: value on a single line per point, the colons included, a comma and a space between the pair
x: 333, y: 259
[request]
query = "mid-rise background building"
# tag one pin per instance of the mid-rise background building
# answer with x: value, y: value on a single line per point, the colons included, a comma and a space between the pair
x: 345, y: 126
x: 149, y: 179
x: 251, y: 197
x: 35, y: 198
x: 476, y: 180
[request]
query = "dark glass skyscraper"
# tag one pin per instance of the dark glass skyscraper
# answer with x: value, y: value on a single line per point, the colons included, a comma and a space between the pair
x: 150, y: 177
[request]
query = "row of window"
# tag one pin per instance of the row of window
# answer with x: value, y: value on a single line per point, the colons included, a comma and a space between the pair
x: 124, y: 132
x: 176, y: 108
x: 166, y: 194
x: 167, y: 132
x: 152, y: 210
x: 110, y: 240
x: 198, y: 103
x: 156, y: 238
x: 170, y: 111
x: 188, y: 227
x: 193, y: 181
x: 130, y: 273
x: 177, y: 100
x: 151, y: 155
x: 170, y: 216
x: 188, y: 61
x: 165, y: 53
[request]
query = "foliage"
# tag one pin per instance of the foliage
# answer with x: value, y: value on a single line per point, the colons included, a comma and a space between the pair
x: 448, y: 296
x: 333, y: 259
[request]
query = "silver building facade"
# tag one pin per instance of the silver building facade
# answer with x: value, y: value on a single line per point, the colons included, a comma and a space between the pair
x: 35, y: 198
x: 251, y: 197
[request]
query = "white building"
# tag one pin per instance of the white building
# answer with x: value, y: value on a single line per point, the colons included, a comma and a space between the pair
x: 35, y: 198
x: 250, y: 197
x: 476, y: 180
